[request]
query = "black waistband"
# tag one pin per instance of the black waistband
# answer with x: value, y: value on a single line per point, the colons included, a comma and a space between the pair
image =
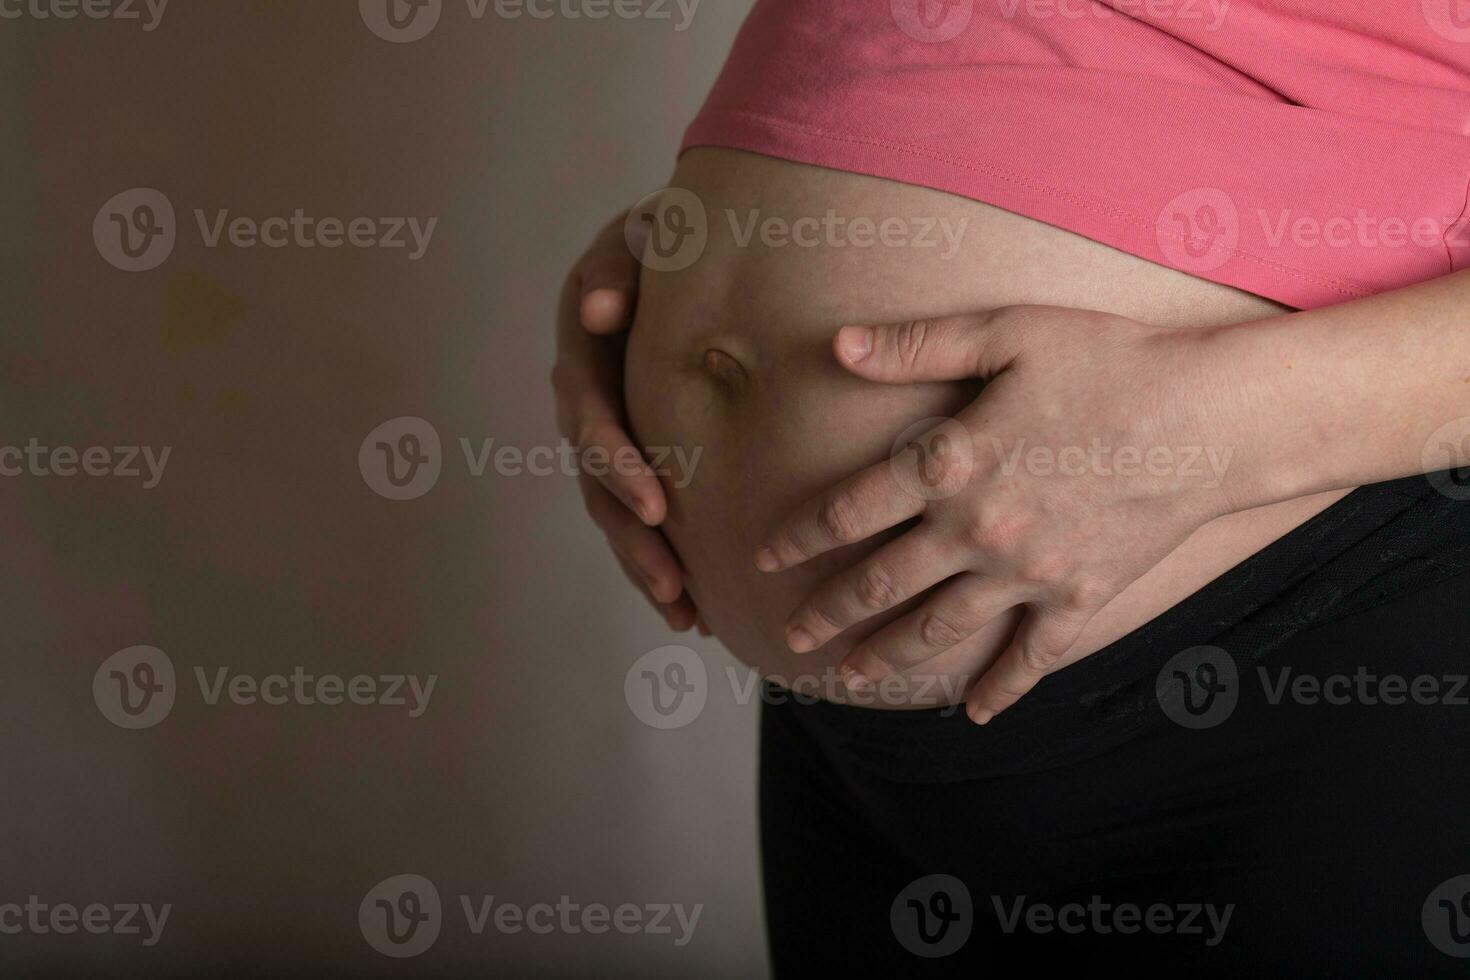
x: 1378, y: 542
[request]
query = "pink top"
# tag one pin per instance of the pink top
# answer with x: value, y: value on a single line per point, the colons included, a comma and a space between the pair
x: 1310, y: 151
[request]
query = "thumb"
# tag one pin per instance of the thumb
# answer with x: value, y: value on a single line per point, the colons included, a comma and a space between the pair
x: 942, y: 349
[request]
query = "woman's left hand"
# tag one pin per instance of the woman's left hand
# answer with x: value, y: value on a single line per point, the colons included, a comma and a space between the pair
x: 1097, y: 447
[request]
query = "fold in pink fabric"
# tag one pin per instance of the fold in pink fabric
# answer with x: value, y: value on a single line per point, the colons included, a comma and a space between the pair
x: 1310, y: 151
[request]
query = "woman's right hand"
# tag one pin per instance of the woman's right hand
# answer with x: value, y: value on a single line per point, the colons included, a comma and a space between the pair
x: 626, y: 502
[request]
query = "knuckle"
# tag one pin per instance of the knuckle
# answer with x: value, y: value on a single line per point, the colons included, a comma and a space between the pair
x: 1088, y: 593
x: 993, y: 533
x: 1011, y: 691
x: 838, y: 519
x: 939, y: 631
x: 589, y: 434
x: 819, y: 616
x: 910, y: 339
x: 1038, y: 659
x: 1018, y: 317
x: 875, y: 588
x: 1045, y: 569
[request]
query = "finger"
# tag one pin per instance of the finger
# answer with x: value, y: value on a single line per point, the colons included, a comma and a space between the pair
x: 955, y: 612
x: 891, y: 575
x: 587, y: 378
x: 943, y: 349
x: 678, y: 615
x: 1039, y: 644
x: 605, y: 309
x: 857, y: 508
x: 607, y: 455
x: 645, y: 549
x: 681, y: 614
x: 608, y: 281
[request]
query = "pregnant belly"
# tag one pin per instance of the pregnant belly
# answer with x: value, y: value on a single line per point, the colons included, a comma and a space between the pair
x: 730, y: 370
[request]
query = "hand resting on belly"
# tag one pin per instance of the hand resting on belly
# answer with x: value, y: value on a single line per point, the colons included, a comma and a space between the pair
x: 731, y: 358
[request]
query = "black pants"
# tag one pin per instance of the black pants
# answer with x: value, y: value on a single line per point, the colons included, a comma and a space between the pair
x: 1272, y: 778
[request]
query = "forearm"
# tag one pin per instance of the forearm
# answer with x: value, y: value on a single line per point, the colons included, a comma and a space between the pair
x: 1346, y: 395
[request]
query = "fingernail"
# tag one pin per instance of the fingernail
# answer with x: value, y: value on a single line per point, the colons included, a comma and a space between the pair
x: 856, y: 343
x: 855, y: 680
x: 604, y: 299
x: 644, y: 512
x: 982, y: 716
x: 766, y: 561
x: 799, y: 640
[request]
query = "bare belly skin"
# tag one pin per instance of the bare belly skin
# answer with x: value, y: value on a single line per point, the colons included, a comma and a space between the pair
x: 732, y: 358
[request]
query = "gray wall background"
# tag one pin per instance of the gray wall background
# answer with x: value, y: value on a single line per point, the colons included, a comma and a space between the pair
x: 263, y: 549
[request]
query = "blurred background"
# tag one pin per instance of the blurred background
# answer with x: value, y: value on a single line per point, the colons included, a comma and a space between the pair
x: 199, y: 551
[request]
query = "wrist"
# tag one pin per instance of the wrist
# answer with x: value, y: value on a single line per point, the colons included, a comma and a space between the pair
x: 1266, y: 416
